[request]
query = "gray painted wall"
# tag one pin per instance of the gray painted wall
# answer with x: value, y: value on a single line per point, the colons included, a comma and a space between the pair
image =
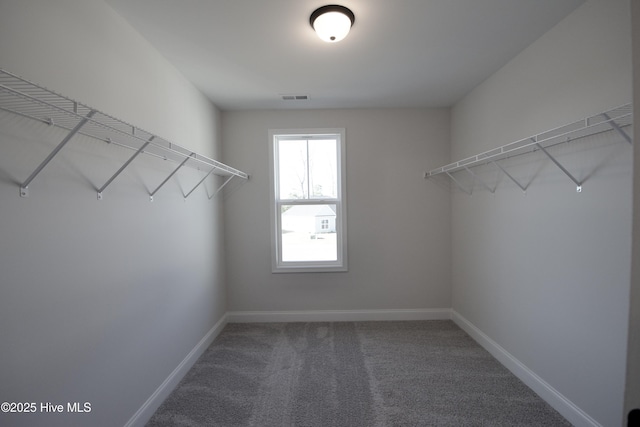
x: 632, y: 396
x: 100, y: 300
x: 546, y: 275
x: 398, y: 225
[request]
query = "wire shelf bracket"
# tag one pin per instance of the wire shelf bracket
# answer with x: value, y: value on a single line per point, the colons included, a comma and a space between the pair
x: 615, y: 120
x: 123, y: 167
x: 27, y: 99
x: 617, y: 128
x: 24, y: 188
x: 522, y: 187
x: 477, y: 178
x: 228, y: 180
x: 460, y: 186
x: 153, y: 193
x: 199, y: 182
x: 562, y: 168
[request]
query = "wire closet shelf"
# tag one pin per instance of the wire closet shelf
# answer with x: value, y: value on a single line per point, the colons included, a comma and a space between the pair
x: 615, y: 120
x: 27, y: 99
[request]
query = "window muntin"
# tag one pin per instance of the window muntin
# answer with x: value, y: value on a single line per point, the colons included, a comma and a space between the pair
x: 308, y: 210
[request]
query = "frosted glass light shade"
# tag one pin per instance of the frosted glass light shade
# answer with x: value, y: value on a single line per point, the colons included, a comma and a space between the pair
x: 332, y: 23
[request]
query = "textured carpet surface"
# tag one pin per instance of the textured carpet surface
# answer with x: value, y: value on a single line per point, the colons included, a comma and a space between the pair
x: 422, y: 373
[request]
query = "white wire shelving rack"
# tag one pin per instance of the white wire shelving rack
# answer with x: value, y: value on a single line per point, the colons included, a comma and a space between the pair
x: 27, y: 99
x: 615, y: 120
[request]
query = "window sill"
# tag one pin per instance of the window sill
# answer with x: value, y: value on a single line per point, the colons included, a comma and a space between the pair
x: 309, y: 269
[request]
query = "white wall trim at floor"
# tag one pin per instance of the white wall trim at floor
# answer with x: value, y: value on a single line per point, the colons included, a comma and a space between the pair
x: 564, y: 406
x: 146, y: 411
x: 560, y: 403
x: 338, y: 315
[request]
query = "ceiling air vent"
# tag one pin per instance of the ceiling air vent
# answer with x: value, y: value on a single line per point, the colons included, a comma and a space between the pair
x: 295, y: 97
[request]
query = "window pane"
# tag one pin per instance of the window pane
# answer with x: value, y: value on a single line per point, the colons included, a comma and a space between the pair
x: 322, y: 168
x: 307, y: 169
x: 307, y: 200
x: 309, y: 233
x: 292, y: 174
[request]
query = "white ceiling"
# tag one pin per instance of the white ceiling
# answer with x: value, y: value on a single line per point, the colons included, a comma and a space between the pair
x: 246, y: 54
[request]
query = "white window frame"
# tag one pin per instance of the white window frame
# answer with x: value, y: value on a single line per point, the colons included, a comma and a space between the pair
x: 277, y: 265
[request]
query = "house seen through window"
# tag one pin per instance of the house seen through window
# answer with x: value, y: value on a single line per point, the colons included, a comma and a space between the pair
x: 308, y: 210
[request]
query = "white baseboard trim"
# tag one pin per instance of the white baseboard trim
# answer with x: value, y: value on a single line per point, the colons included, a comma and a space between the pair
x: 338, y: 315
x: 560, y: 403
x: 146, y: 411
x: 564, y: 406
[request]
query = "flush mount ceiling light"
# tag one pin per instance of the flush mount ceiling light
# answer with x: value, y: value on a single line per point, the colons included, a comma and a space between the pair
x: 332, y: 22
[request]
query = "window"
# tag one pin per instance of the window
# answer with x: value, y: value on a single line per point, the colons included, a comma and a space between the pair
x: 308, y: 211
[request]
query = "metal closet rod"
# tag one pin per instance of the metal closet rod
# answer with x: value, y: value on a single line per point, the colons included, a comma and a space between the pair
x: 506, y: 152
x: 46, y: 98
x: 137, y: 150
x: 134, y: 129
x: 533, y: 147
x: 214, y: 164
x: 51, y: 122
x: 486, y: 156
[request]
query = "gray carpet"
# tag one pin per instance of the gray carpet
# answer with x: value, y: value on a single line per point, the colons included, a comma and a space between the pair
x: 423, y: 373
